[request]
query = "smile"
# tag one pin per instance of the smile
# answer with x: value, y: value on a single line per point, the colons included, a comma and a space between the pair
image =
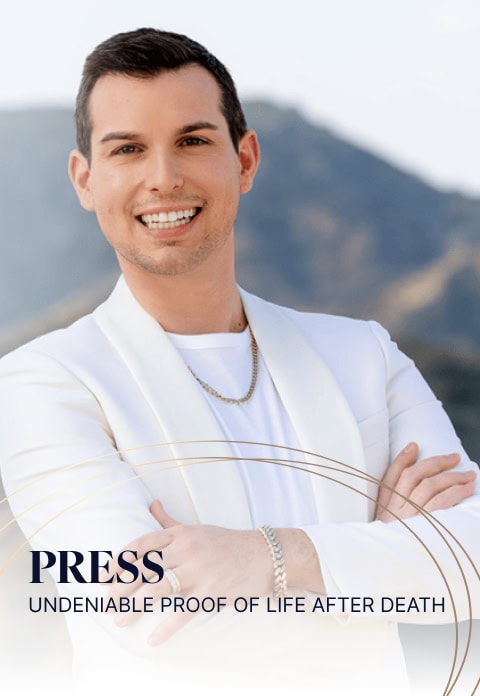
x: 166, y: 221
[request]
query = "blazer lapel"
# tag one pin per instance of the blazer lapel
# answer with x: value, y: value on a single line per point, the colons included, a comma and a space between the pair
x: 216, y: 488
x: 318, y: 409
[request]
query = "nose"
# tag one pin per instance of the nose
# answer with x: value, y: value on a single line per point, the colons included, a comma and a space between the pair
x: 163, y: 172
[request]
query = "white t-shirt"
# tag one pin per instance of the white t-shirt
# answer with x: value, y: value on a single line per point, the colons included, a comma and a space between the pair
x: 278, y: 495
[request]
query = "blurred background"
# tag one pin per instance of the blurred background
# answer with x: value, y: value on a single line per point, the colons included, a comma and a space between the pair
x: 367, y: 202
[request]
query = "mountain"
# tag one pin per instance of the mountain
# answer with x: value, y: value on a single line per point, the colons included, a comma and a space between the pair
x: 347, y: 232
x: 51, y: 248
x: 328, y: 226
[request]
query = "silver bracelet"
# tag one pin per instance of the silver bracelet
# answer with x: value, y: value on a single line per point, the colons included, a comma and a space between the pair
x: 279, y: 567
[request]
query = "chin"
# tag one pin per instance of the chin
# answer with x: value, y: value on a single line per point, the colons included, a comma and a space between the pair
x: 169, y: 262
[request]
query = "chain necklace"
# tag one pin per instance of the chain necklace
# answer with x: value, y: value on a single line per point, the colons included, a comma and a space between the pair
x: 253, y: 381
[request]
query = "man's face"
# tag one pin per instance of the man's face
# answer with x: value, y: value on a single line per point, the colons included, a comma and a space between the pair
x: 164, y: 177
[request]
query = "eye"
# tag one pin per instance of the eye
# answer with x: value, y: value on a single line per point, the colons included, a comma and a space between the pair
x: 192, y: 140
x: 126, y: 150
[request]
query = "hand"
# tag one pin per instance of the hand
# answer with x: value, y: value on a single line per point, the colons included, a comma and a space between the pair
x: 429, y: 484
x: 208, y: 561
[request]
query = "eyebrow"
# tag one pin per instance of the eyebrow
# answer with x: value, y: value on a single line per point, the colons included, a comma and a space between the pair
x: 198, y: 125
x: 189, y: 128
x: 119, y: 135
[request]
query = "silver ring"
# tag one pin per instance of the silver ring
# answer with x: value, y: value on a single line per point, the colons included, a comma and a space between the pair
x: 173, y: 580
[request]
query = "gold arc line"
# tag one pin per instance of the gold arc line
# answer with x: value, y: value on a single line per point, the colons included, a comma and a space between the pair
x: 120, y: 482
x: 362, y: 475
x: 287, y: 463
x: 115, y: 452
x: 205, y: 460
x: 270, y: 461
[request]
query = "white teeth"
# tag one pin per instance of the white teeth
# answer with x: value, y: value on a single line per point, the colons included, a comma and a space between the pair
x: 174, y: 218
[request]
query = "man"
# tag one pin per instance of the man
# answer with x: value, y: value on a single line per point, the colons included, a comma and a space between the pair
x: 168, y: 390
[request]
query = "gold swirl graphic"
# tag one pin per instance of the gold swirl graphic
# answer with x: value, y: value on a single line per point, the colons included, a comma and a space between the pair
x: 325, y: 471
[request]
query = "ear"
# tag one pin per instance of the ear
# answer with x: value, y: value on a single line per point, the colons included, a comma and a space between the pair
x: 79, y: 172
x: 249, y: 156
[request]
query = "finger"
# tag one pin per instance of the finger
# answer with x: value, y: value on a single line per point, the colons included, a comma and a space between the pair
x: 125, y: 586
x: 403, y: 460
x: 450, y: 497
x: 414, y: 476
x: 145, y: 596
x: 154, y: 592
x: 438, y: 492
x: 170, y: 626
x: 433, y: 465
x: 157, y: 510
x: 432, y: 486
x: 135, y: 550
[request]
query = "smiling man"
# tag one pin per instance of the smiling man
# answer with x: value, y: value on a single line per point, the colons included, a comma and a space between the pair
x: 164, y: 178
x: 243, y: 440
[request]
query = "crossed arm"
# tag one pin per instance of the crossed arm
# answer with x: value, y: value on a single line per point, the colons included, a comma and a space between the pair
x: 50, y: 419
x: 214, y: 561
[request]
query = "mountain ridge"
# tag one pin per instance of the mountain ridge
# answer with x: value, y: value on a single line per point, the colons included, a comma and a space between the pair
x: 327, y: 227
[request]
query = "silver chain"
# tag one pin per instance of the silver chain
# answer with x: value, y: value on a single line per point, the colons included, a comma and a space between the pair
x: 253, y: 381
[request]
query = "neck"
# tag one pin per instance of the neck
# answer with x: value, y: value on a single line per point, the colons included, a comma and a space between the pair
x: 197, y: 302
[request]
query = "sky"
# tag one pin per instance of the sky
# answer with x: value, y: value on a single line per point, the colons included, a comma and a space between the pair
x: 399, y: 77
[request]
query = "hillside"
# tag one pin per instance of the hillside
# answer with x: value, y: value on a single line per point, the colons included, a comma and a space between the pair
x: 328, y: 226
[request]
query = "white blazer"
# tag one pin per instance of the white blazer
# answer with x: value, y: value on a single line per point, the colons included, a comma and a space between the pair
x: 86, y: 413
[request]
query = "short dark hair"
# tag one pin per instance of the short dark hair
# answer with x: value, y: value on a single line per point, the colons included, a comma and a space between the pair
x: 146, y: 53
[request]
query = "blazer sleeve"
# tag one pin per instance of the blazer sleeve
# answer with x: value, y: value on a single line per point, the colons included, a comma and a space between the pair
x: 64, y: 479
x: 65, y: 482
x: 435, y: 556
